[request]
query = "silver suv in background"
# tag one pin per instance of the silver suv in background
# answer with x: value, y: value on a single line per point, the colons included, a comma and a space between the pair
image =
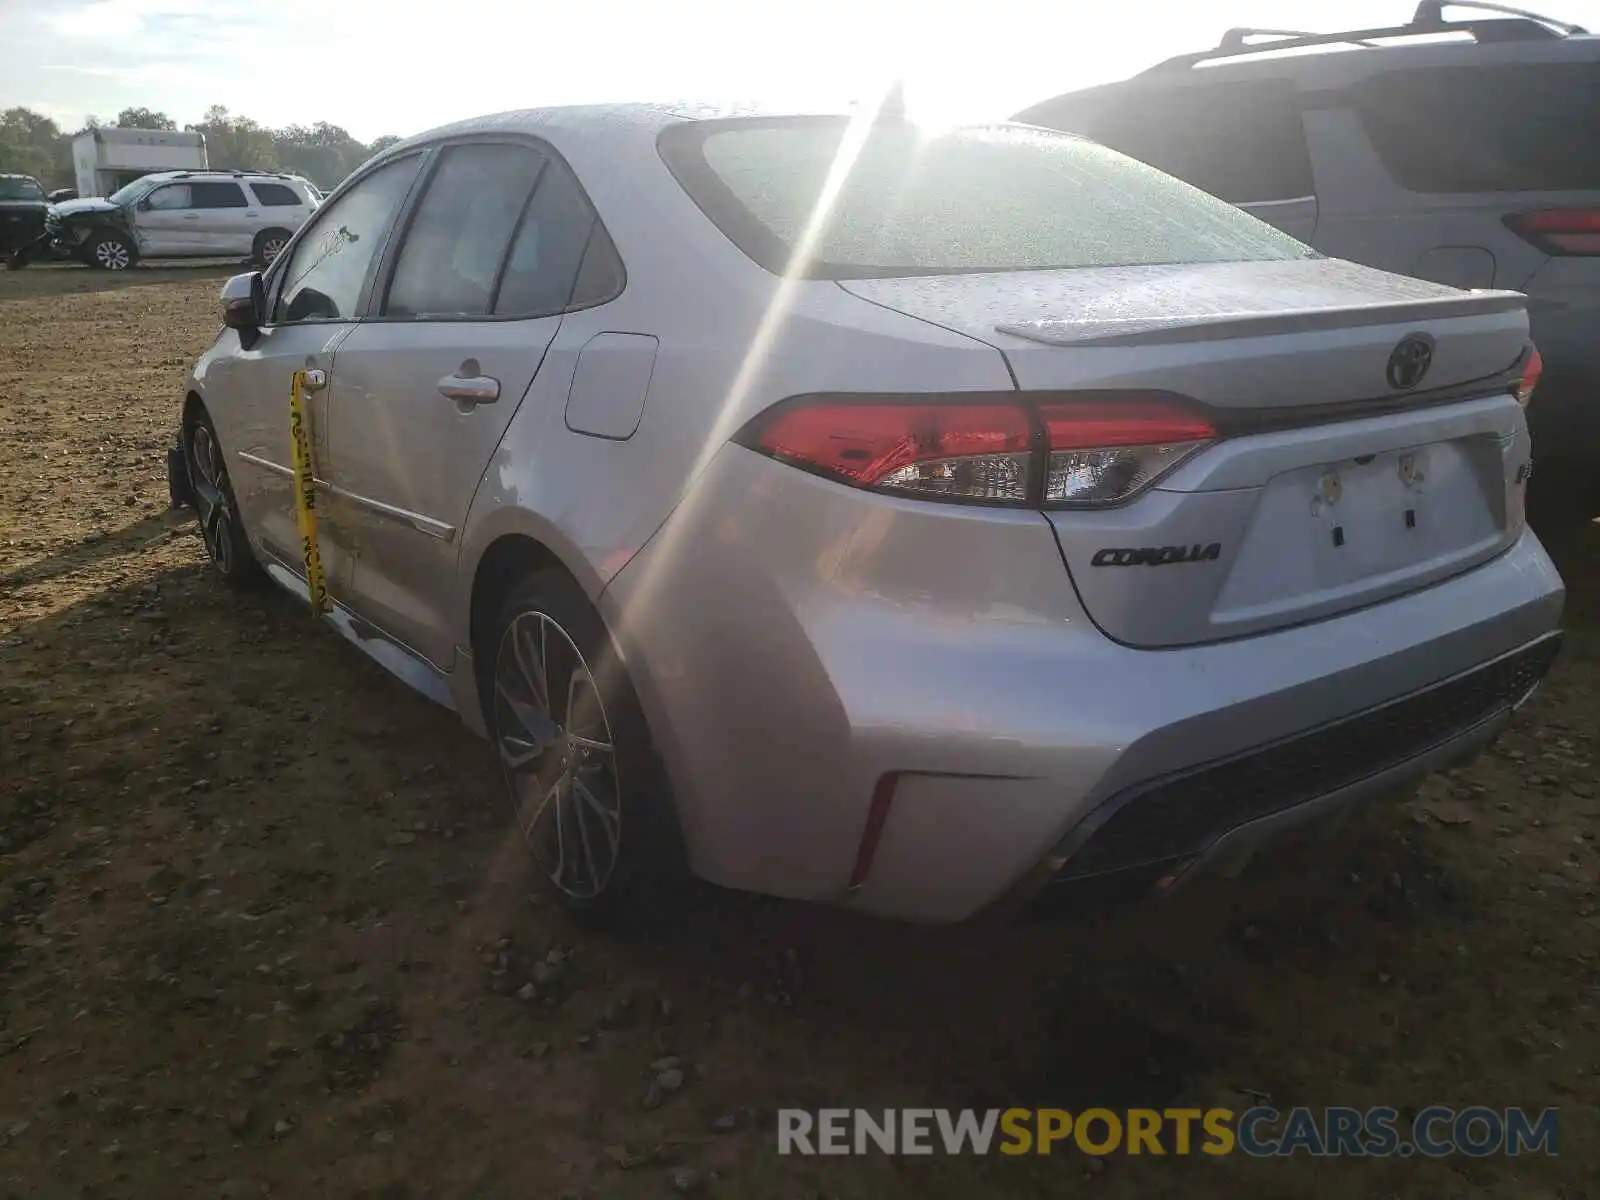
x: 183, y: 214
x: 1464, y: 152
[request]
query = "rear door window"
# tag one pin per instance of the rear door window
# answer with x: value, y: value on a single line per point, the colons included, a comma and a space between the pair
x: 452, y: 254
x: 1486, y: 129
x: 216, y: 195
x: 562, y: 257
x: 1242, y: 142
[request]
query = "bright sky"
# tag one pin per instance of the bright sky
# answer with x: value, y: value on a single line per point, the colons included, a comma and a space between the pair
x: 389, y: 66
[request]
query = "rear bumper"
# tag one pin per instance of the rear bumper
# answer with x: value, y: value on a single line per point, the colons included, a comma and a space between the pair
x: 1155, y: 836
x: 793, y: 642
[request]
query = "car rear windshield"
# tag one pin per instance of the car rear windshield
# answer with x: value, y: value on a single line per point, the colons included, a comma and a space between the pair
x: 913, y: 202
x: 15, y: 188
x: 1487, y: 129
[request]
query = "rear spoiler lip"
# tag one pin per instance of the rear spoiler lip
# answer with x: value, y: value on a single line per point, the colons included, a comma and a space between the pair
x: 1160, y: 331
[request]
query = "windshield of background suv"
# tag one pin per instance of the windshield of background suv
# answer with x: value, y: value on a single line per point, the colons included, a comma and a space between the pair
x: 133, y: 192
x: 991, y: 198
x: 20, y: 189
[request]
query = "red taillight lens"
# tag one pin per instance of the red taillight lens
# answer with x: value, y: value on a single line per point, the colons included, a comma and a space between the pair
x: 1530, y: 377
x: 1560, y: 230
x: 999, y: 452
x: 967, y: 451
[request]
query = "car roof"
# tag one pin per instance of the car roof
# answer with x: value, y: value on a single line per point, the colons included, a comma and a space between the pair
x: 602, y: 120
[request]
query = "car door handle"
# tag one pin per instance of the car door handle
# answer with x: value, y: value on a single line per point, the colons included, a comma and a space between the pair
x: 191, y: 216
x: 469, y: 387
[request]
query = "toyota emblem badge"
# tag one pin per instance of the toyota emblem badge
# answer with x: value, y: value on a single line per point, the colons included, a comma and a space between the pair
x: 1410, y: 361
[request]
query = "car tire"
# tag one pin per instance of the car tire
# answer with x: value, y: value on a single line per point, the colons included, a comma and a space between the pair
x: 599, y: 824
x: 215, y: 507
x: 108, y: 250
x: 269, y: 244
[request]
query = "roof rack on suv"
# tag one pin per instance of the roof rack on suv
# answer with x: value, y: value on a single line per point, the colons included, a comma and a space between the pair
x: 1234, y: 39
x: 1515, y: 25
x: 1428, y: 13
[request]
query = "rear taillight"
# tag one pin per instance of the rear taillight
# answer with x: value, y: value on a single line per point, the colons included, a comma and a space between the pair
x: 1080, y: 453
x: 1104, y: 452
x: 1531, y: 371
x: 1560, y: 230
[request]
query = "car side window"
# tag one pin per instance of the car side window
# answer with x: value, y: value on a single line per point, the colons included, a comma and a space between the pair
x: 328, y: 270
x: 275, y: 195
x: 551, y: 253
x: 457, y: 239
x: 1242, y: 142
x: 216, y: 195
x: 1506, y: 128
x: 172, y: 198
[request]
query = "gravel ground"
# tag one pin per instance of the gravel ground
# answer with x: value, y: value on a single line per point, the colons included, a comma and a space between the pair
x: 264, y: 930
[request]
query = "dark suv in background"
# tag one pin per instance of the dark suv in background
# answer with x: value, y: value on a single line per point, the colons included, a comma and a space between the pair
x: 22, y: 209
x: 1461, y: 151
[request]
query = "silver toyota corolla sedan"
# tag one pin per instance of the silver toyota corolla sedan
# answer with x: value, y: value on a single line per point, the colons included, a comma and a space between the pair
x: 927, y: 522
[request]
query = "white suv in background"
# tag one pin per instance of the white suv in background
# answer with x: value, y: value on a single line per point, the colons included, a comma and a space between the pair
x: 186, y: 214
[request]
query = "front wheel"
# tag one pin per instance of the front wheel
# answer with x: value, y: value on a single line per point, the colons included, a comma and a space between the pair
x: 214, y: 504
x: 587, y: 793
x: 110, y: 251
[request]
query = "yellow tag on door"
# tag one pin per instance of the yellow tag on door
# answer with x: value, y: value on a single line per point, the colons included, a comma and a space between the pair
x: 305, y: 494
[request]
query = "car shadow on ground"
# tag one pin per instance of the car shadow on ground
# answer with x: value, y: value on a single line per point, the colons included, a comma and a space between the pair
x: 212, y: 793
x: 60, y: 279
x: 273, y: 714
x: 141, y: 535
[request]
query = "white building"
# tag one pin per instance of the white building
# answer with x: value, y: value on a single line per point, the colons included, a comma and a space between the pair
x: 105, y: 159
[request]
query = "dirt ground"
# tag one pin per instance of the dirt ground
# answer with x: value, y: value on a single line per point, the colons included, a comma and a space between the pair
x: 264, y: 929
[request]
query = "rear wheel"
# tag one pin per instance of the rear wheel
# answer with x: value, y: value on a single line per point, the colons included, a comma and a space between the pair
x: 269, y: 244
x: 214, y: 504
x: 587, y: 793
x: 110, y: 251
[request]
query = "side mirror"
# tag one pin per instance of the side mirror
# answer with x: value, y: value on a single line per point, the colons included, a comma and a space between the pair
x: 244, y: 306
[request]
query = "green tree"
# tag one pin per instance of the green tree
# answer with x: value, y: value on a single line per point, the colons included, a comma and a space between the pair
x: 323, y: 153
x: 236, y: 143
x: 380, y: 144
x: 30, y: 144
x: 144, y: 118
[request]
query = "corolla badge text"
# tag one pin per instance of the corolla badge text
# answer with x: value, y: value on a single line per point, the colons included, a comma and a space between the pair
x: 1155, y: 556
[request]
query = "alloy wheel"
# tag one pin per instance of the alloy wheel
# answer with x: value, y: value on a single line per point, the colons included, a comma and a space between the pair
x: 112, y: 255
x: 271, y: 248
x: 208, y: 477
x: 557, y: 751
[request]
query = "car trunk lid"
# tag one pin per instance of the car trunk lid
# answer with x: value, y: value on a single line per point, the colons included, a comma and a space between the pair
x: 1351, y: 466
